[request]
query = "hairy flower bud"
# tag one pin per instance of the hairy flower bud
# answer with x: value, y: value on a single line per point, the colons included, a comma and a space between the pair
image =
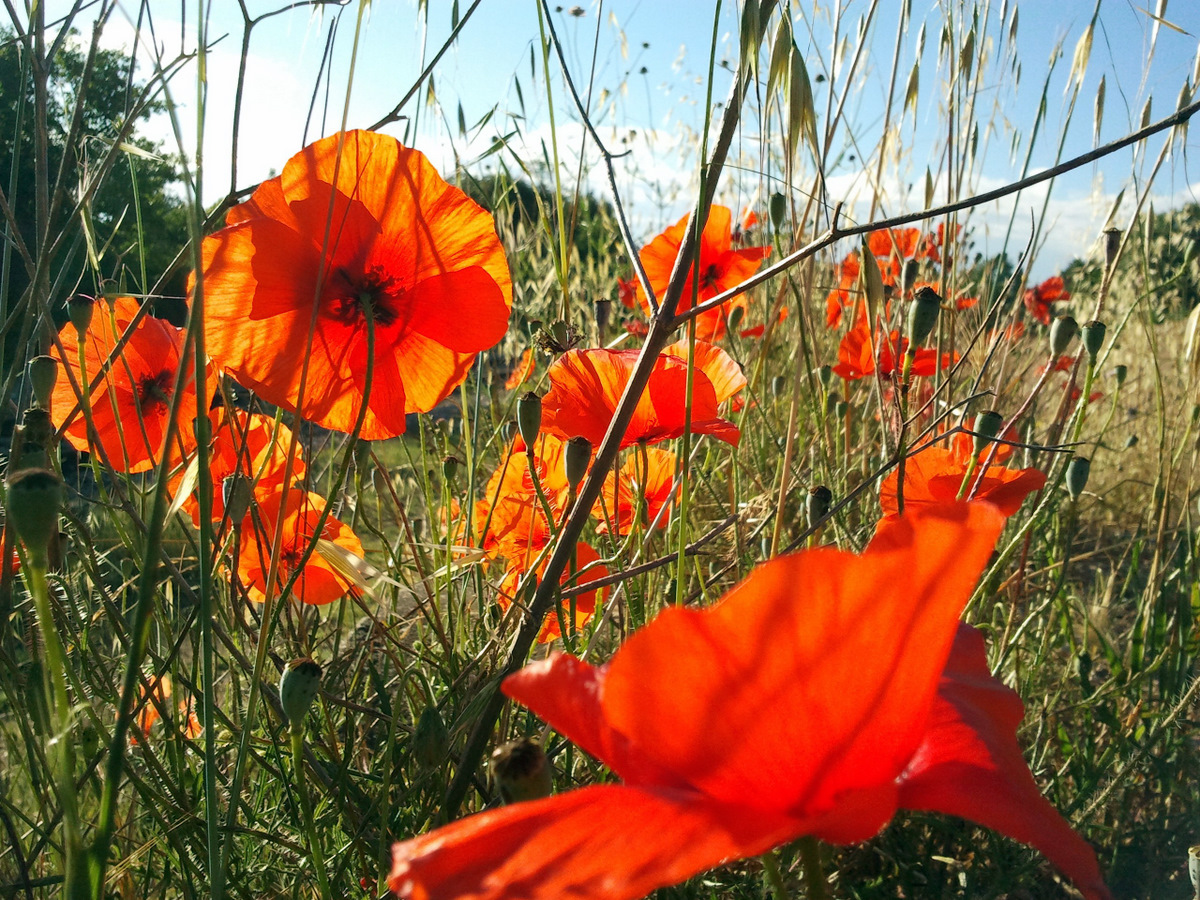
x: 79, y: 309
x: 1093, y: 337
x: 987, y: 426
x: 735, y: 317
x: 521, y: 771
x: 576, y: 459
x: 431, y: 738
x: 825, y: 376
x: 816, y: 504
x: 34, y: 498
x: 1062, y: 332
x: 922, y: 316
x: 43, y: 373
x: 529, y: 418
x: 777, y: 206
x: 298, y: 688
x: 778, y: 386
x: 1078, y: 470
x: 1120, y: 373
x: 449, y: 468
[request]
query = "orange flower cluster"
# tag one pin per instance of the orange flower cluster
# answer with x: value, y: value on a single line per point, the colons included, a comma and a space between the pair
x: 860, y: 353
x: 1039, y: 299
x: 765, y: 718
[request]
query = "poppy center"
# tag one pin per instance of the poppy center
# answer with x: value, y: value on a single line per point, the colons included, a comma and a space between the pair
x: 154, y: 392
x: 710, y: 276
x: 354, y: 295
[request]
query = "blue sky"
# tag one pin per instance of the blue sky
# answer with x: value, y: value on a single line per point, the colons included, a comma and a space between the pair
x: 649, y: 78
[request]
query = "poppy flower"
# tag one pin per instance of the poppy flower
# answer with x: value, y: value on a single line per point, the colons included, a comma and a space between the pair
x: 1038, y: 299
x: 901, y: 242
x: 858, y: 354
x: 319, y: 582
x: 161, y: 692
x: 511, y: 515
x: 249, y: 444
x: 721, y: 267
x: 586, y: 386
x: 584, y: 604
x: 757, y: 331
x: 522, y: 372
x: 821, y: 695
x: 647, y: 477
x: 627, y: 292
x: 388, y: 243
x: 131, y: 404
x: 840, y: 298
x: 934, y: 476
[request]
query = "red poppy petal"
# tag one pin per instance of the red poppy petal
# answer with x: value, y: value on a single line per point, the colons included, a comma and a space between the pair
x: 969, y: 765
x: 698, y: 692
x: 599, y: 843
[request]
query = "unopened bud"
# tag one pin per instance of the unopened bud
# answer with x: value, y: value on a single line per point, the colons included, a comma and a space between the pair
x: 43, y: 373
x: 298, y: 688
x: 521, y: 771
x: 34, y: 498
x: 841, y: 409
x: 1120, y: 373
x: 576, y: 459
x: 1078, y: 470
x: 736, y: 314
x: 1093, y: 337
x: 529, y: 418
x: 237, y: 493
x: 79, y: 309
x: 922, y: 316
x: 450, y: 468
x: 1112, y: 243
x: 431, y: 738
x: 816, y: 505
x: 987, y: 426
x: 911, y: 268
x: 777, y: 206
x: 1062, y: 332
x: 778, y: 386
x: 825, y: 376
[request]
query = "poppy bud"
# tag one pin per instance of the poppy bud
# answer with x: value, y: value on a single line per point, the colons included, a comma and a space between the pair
x: 89, y: 741
x: 449, y: 468
x: 778, y: 385
x: 603, y: 310
x: 922, y: 316
x: 777, y: 206
x: 37, y: 428
x: 237, y: 493
x: 529, y: 418
x: 1119, y: 374
x: 735, y: 317
x: 816, y: 505
x: 1093, y: 337
x: 1077, y: 475
x: 298, y: 687
x: 1062, y: 332
x: 79, y: 309
x: 576, y: 459
x: 34, y: 498
x: 43, y: 372
x: 521, y: 771
x: 987, y: 426
x: 841, y: 409
x: 1112, y: 243
x: 825, y: 376
x: 910, y: 275
x: 431, y: 738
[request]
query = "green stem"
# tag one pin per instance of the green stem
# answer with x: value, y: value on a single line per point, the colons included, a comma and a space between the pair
x: 773, y: 875
x: 814, y: 873
x: 316, y: 854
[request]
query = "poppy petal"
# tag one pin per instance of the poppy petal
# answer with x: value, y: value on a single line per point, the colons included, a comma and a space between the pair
x: 598, y: 843
x: 969, y: 765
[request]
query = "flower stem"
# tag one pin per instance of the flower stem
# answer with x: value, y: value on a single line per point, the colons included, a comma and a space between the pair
x: 814, y: 874
x: 773, y: 875
x: 316, y: 854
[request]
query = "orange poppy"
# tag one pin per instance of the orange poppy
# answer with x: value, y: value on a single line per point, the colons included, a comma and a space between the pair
x: 320, y: 582
x: 757, y: 331
x: 721, y: 267
x: 902, y: 242
x: 249, y: 444
x: 130, y: 405
x: 1038, y: 299
x: 820, y: 696
x: 511, y: 513
x: 522, y: 372
x: 586, y: 386
x: 934, y: 476
x: 721, y: 369
x: 585, y: 603
x: 648, y: 479
x: 627, y: 292
x: 839, y: 300
x: 390, y: 238
x: 856, y: 359
x: 161, y: 692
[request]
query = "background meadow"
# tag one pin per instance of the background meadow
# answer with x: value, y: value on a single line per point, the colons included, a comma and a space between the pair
x: 129, y: 131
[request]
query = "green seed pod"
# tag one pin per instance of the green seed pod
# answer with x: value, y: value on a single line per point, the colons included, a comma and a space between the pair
x: 1120, y: 373
x: 841, y: 409
x: 43, y: 373
x: 450, y: 468
x: 1078, y: 470
x: 529, y: 418
x: 778, y: 385
x: 431, y: 738
x: 576, y: 459
x: 298, y: 688
x: 922, y: 316
x: 237, y: 493
x: 777, y: 206
x: 735, y: 317
x: 987, y: 426
x: 825, y: 376
x: 79, y: 309
x: 816, y: 505
x: 1093, y: 337
x: 34, y: 498
x: 522, y: 772
x: 1062, y: 332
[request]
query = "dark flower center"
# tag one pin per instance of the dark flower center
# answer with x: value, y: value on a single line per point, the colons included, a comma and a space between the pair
x: 154, y: 392
x: 710, y: 276
x: 352, y: 295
